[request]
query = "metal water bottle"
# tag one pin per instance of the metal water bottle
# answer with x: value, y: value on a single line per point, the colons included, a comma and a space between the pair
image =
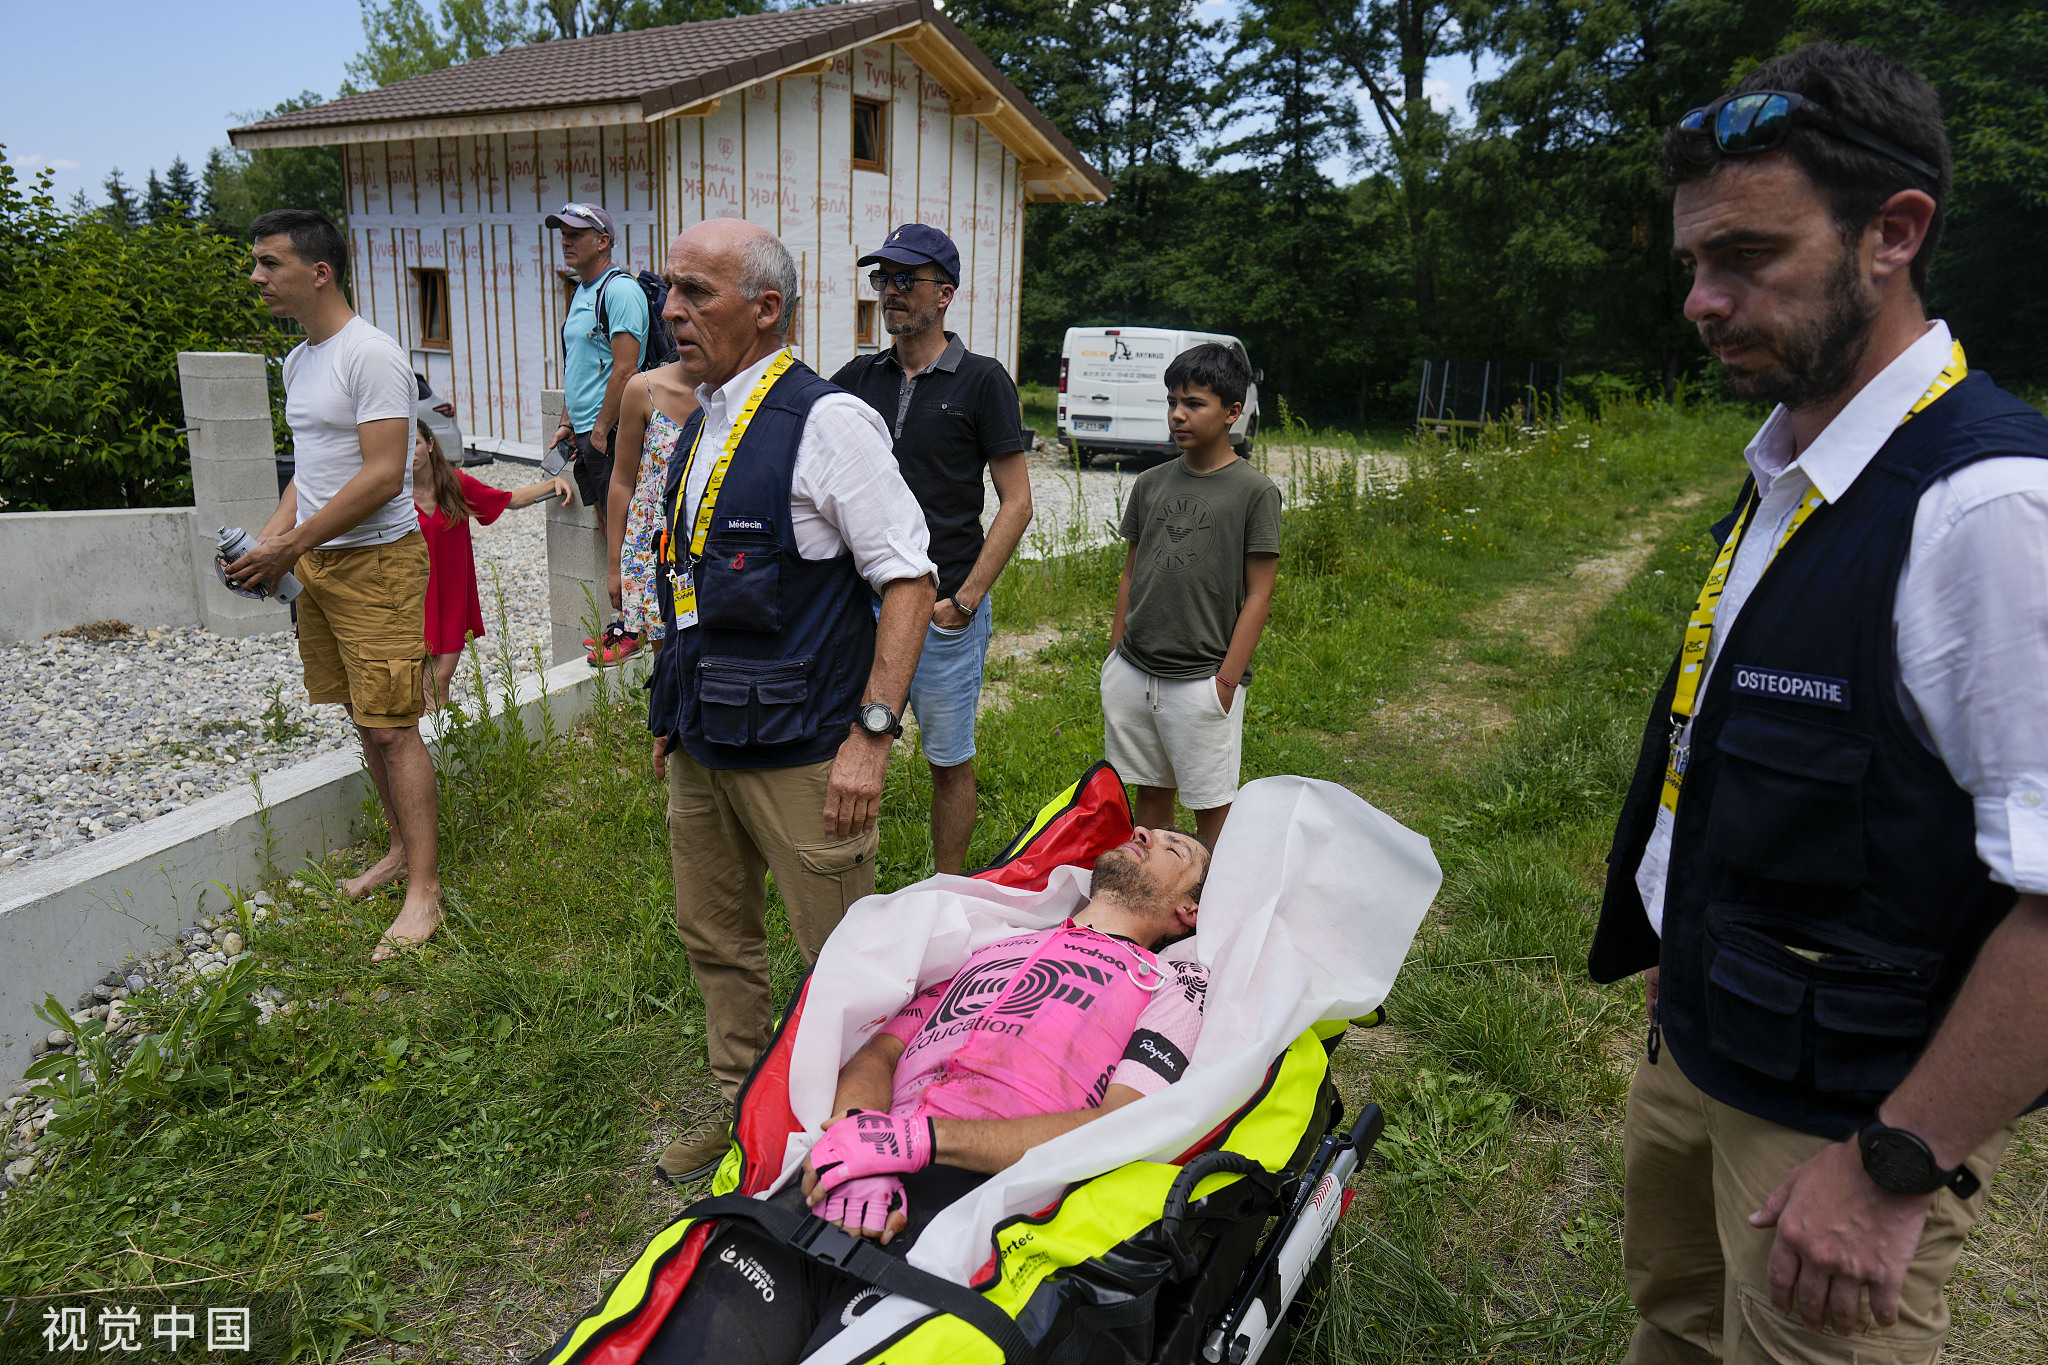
x: 234, y: 543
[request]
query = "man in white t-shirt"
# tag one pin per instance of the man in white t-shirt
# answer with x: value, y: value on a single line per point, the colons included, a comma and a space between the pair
x: 347, y: 527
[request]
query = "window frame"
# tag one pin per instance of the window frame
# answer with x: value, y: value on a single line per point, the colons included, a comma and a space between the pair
x: 430, y: 284
x: 881, y: 157
x: 864, y: 311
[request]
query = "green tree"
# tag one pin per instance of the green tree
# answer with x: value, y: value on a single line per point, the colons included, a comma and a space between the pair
x: 1129, y: 85
x: 120, y: 207
x: 1554, y: 211
x: 1387, y: 46
x: 172, y: 199
x: 1273, y: 253
x: 236, y: 187
x: 92, y: 317
x: 1988, y: 59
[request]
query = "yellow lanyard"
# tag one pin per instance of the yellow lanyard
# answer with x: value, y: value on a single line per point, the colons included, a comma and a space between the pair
x: 685, y: 588
x: 1699, y: 628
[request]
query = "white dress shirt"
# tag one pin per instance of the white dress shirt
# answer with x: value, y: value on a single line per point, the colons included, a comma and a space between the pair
x: 846, y: 492
x: 1970, y: 620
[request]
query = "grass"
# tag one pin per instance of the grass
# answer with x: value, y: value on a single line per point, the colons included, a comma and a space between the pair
x: 446, y: 1161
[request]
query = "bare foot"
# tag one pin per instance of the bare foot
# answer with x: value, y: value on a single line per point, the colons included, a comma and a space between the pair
x: 390, y: 868
x: 415, y: 924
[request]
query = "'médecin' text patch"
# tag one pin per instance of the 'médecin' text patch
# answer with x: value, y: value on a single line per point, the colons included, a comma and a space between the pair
x: 1782, y: 686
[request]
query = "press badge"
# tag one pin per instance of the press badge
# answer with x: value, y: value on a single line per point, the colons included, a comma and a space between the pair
x: 683, y: 591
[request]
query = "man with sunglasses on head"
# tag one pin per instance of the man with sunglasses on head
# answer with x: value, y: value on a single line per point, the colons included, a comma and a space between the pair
x: 596, y: 361
x: 951, y: 413
x: 1832, y: 863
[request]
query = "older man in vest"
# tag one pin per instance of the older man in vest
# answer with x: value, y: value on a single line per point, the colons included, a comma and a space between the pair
x: 775, y: 705
x: 1833, y: 861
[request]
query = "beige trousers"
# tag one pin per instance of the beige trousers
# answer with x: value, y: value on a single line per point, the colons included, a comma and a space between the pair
x: 1699, y: 1273
x: 726, y: 832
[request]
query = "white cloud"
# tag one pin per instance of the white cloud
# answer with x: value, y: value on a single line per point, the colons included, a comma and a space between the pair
x: 56, y: 163
x: 1439, y: 92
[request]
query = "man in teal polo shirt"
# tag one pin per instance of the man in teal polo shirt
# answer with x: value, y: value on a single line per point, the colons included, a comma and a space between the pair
x: 596, y: 361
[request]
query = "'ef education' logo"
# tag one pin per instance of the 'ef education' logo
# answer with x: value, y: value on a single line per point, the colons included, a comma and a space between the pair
x: 1782, y: 686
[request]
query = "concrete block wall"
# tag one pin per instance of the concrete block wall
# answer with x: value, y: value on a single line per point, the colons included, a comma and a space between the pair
x: 579, y: 584
x: 153, y: 567
x: 234, y: 477
x: 67, y: 568
x: 65, y: 921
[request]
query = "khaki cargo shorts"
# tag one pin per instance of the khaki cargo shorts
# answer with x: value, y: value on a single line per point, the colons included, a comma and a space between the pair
x: 363, y: 629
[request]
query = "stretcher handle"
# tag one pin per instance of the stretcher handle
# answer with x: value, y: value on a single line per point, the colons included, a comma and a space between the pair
x: 1372, y: 1121
x: 1191, y: 1175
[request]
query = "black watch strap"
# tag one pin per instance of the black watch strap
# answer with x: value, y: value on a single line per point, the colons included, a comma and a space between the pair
x: 1901, y: 1162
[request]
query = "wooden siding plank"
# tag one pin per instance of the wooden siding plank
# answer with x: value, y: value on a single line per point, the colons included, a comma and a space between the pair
x: 724, y: 144
x: 761, y: 153
x: 988, y: 245
x: 835, y: 213
x: 935, y: 157
x: 796, y: 143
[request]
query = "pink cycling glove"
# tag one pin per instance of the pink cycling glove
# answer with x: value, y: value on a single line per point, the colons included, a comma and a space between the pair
x: 866, y: 1143
x: 864, y: 1204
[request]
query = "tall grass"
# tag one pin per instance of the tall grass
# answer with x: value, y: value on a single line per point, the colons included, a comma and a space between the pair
x: 440, y: 1157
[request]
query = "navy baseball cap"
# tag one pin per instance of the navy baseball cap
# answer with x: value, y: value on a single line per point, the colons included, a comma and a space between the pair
x: 915, y: 244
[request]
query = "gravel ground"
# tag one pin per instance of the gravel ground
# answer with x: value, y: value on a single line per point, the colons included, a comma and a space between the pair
x: 95, y: 737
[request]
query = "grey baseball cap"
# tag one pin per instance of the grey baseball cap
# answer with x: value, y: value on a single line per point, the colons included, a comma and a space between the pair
x: 583, y: 216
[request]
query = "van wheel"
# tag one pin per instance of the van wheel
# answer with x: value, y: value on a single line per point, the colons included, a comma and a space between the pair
x: 1251, y: 434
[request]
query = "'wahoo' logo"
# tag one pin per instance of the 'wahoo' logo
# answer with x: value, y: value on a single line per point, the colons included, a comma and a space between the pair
x: 1782, y: 686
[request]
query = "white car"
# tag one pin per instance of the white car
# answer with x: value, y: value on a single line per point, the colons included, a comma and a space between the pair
x: 1112, y: 399
x: 439, y: 415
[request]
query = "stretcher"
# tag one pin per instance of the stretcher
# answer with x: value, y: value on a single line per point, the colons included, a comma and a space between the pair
x: 1180, y: 1228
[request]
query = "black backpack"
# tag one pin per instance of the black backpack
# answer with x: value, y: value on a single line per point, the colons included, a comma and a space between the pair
x: 660, y: 347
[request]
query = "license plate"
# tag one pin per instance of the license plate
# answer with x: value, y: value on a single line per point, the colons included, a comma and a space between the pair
x: 1091, y: 424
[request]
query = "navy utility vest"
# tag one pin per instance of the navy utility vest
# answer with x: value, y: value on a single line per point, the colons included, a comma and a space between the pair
x: 1825, y: 898
x: 771, y: 675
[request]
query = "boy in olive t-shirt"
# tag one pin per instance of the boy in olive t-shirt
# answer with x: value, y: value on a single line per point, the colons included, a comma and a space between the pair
x: 1204, y: 534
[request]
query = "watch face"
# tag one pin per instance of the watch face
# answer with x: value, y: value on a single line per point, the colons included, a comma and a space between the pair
x: 1899, y: 1163
x: 877, y: 718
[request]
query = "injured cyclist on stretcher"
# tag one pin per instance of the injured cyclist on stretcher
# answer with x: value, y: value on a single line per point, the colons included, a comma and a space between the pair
x: 1034, y: 1036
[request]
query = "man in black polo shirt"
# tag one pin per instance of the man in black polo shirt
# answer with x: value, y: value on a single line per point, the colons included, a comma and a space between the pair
x: 952, y: 413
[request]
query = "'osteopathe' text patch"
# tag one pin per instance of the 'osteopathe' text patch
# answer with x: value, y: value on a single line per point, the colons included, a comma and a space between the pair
x: 1783, y: 686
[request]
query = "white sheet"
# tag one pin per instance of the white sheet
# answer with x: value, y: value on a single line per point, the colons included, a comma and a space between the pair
x: 1310, y: 907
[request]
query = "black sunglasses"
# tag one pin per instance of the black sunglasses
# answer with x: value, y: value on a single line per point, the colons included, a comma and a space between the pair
x: 1758, y: 121
x: 902, y: 279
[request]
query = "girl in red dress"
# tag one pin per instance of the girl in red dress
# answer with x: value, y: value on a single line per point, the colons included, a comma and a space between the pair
x: 446, y: 498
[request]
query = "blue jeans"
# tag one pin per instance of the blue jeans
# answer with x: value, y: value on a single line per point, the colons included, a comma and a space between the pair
x: 946, y: 691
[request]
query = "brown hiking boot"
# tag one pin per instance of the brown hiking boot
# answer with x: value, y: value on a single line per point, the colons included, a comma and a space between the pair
x: 695, y: 1154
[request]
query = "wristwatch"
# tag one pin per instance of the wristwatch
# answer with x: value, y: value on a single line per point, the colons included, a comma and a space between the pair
x: 1900, y: 1162
x: 877, y: 719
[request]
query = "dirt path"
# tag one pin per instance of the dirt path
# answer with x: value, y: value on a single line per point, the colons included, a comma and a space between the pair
x: 1462, y: 701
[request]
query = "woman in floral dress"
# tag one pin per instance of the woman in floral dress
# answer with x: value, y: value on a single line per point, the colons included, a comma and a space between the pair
x: 656, y: 404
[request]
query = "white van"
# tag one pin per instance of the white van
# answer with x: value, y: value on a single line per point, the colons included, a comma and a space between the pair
x: 1113, y: 390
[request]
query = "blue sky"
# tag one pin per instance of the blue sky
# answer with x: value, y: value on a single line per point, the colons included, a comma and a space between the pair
x: 158, y: 81
x: 123, y: 83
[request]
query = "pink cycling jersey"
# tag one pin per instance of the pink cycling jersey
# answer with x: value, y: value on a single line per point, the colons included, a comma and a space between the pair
x: 1045, y: 1023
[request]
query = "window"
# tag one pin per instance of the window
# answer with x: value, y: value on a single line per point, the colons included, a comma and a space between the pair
x: 863, y: 322
x: 431, y: 286
x: 870, y: 127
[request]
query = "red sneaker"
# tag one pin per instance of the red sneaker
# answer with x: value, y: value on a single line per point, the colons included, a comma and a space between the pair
x: 615, y: 650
